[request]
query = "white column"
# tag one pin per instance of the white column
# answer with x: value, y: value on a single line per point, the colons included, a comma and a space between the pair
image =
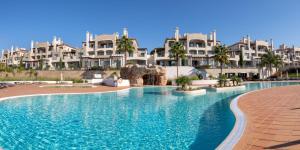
x: 109, y: 62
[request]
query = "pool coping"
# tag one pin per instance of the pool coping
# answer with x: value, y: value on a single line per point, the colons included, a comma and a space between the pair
x: 48, y: 94
x: 76, y: 93
x: 239, y: 127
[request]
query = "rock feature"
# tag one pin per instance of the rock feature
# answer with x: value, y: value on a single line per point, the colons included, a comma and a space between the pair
x: 140, y: 75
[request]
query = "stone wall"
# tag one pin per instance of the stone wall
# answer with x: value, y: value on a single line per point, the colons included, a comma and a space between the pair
x: 135, y: 74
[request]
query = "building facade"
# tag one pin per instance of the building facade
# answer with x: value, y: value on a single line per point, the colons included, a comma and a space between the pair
x: 198, y: 47
x: 102, y: 51
x: 54, y: 55
x: 13, y: 57
x: 249, y: 51
x: 289, y: 55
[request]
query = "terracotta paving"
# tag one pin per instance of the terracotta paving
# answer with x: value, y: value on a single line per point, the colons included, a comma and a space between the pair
x: 35, y: 89
x: 273, y: 119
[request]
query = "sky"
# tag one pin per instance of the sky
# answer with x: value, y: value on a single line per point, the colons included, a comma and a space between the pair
x: 149, y: 21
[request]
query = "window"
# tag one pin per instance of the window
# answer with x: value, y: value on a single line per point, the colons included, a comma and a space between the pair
x: 210, y: 52
x: 100, y: 53
x: 109, y: 52
x: 130, y: 54
x: 201, y: 52
x: 91, y: 53
x: 171, y: 43
x: 247, y: 55
x: 194, y: 52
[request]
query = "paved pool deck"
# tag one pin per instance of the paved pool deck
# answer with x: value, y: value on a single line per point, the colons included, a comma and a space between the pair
x: 273, y: 119
x: 19, y: 90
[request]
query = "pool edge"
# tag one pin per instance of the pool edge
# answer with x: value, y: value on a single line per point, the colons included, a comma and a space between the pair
x: 239, y: 127
x: 48, y: 94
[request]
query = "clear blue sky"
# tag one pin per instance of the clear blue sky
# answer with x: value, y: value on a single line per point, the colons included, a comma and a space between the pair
x: 150, y: 21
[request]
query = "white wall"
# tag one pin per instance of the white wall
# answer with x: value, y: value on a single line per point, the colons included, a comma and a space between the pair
x: 182, y: 71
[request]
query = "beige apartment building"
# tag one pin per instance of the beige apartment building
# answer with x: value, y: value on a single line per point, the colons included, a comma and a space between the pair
x: 54, y: 55
x: 251, y: 51
x: 198, y: 46
x: 289, y: 55
x: 102, y: 51
x: 12, y: 57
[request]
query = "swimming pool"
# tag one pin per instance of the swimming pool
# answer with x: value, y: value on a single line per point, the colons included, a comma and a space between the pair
x: 137, y: 118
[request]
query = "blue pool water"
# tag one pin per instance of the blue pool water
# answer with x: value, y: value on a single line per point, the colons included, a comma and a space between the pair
x: 139, y: 118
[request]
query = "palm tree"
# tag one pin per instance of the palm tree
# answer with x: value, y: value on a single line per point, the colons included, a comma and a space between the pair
x: 235, y: 80
x: 277, y: 62
x: 177, y: 51
x: 268, y: 60
x: 221, y: 56
x: 241, y: 60
x: 125, y: 45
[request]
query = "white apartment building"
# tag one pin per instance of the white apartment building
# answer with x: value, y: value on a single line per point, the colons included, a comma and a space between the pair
x: 45, y: 55
x: 289, y: 55
x: 198, y: 46
x: 13, y: 56
x: 251, y: 51
x: 102, y: 51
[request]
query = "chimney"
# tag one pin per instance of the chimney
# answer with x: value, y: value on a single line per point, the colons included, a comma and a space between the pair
x: 210, y: 36
x: 54, y: 41
x: 125, y: 32
x: 177, y: 34
x: 272, y: 44
x: 87, y: 40
x: 117, y: 35
x: 31, y: 46
x: 91, y: 37
x: 215, y: 37
x: 2, y: 56
x: 248, y: 41
x: 59, y: 41
x: 12, y: 50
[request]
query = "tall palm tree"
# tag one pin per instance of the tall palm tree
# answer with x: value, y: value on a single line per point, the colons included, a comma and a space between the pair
x: 277, y: 62
x: 177, y: 52
x: 221, y: 56
x: 125, y: 45
x: 268, y: 60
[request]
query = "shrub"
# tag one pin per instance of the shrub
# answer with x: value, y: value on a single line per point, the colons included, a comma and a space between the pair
x: 236, y: 80
x: 222, y: 80
x: 169, y: 82
x: 184, y: 81
x: 77, y: 80
x: 194, y: 78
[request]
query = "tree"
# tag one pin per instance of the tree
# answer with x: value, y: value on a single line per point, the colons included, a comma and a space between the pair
x: 235, y: 80
x: 184, y: 81
x: 277, y: 62
x: 125, y: 45
x: 41, y: 65
x: 241, y: 60
x: 268, y: 60
x: 177, y: 52
x: 222, y: 80
x: 61, y: 64
x: 221, y: 56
